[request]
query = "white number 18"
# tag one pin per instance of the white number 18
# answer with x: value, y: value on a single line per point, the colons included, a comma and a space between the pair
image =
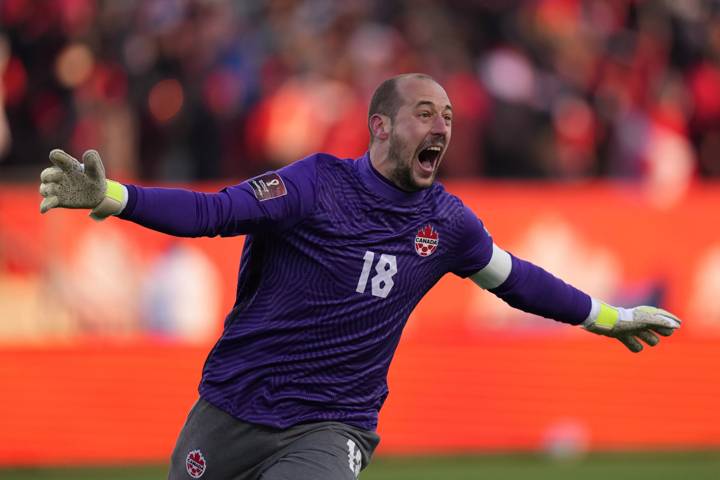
x: 382, y: 282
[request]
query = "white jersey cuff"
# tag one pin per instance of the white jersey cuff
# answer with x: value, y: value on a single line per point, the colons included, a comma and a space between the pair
x: 496, y: 271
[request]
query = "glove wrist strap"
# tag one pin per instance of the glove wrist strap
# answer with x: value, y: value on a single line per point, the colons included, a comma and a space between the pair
x: 607, y: 317
x: 602, y: 316
x: 113, y: 203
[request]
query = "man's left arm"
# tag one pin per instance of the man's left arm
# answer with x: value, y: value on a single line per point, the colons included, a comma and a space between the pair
x: 530, y: 288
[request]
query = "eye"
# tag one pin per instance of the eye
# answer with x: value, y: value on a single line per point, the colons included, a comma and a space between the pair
x: 425, y: 114
x: 448, y: 118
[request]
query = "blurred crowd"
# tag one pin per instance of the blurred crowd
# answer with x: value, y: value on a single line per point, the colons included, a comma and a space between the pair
x: 178, y: 90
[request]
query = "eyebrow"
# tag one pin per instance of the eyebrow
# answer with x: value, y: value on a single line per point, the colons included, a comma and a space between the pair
x: 431, y: 104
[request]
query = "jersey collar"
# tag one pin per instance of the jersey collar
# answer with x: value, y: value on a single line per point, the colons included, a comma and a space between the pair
x: 381, y: 186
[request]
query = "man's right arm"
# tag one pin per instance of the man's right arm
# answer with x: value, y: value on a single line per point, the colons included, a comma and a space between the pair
x: 273, y: 201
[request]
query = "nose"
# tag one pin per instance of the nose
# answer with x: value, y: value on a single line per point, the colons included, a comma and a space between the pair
x: 439, y: 127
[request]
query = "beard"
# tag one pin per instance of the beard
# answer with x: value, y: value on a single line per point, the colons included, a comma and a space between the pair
x: 402, y: 156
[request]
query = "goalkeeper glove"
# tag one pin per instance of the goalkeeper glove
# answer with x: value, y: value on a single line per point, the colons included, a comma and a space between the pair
x: 630, y: 324
x: 71, y: 184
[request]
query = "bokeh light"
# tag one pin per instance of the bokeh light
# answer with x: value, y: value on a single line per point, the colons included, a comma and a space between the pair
x: 74, y: 65
x: 165, y: 100
x: 573, y: 119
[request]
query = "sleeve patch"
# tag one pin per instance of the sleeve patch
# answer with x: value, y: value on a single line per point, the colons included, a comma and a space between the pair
x: 268, y: 186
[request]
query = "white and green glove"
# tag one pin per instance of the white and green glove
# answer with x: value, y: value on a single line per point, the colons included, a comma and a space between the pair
x: 71, y: 184
x: 630, y: 325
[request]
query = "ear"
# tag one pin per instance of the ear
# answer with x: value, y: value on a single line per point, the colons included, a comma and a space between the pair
x: 380, y: 126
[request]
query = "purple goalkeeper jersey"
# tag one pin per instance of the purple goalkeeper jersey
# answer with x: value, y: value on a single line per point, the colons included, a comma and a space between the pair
x: 335, y: 259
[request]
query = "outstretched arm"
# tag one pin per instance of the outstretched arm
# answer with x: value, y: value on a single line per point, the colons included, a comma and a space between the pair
x: 275, y: 200
x: 530, y: 288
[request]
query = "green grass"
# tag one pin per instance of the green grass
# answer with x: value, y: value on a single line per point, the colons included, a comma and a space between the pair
x: 637, y: 466
x: 671, y: 466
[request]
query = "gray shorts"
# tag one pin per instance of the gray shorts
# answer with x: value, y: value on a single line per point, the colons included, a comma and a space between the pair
x: 216, y: 446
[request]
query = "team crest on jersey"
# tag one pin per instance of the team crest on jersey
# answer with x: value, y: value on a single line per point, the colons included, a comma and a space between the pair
x: 426, y: 241
x: 195, y: 464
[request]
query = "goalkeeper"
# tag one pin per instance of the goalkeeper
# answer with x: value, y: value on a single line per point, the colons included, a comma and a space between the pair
x: 337, y: 254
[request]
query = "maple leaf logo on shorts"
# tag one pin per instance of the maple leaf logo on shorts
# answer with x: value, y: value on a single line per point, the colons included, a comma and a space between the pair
x: 195, y: 464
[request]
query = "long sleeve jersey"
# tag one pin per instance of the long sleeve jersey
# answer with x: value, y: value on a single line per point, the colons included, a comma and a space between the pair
x: 335, y: 260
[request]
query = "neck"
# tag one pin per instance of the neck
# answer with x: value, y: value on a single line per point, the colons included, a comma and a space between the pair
x: 380, y: 160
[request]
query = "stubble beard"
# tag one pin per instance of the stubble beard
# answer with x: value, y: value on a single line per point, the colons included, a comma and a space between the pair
x: 399, y: 153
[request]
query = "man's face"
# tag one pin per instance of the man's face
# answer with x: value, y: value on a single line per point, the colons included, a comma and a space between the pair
x: 420, y: 133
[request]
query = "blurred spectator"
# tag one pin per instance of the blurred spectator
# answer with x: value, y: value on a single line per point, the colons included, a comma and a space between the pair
x: 208, y: 89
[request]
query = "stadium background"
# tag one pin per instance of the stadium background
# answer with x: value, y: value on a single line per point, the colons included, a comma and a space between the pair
x: 586, y: 135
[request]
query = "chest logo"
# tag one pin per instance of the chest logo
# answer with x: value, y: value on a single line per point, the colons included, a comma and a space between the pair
x: 426, y: 241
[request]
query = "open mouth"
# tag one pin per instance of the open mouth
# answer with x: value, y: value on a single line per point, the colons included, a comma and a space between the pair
x: 428, y: 156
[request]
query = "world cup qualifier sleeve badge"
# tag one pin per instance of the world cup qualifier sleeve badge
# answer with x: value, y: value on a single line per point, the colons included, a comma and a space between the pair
x: 426, y: 241
x: 195, y: 464
x: 268, y: 186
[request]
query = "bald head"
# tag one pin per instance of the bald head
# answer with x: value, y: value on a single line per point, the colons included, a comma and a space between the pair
x: 387, y: 98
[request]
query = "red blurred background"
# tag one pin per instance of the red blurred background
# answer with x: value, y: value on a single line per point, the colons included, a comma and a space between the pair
x: 586, y: 136
x: 100, y: 365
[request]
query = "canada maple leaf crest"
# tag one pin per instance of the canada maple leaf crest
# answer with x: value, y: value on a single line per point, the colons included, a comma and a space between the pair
x: 195, y: 464
x: 426, y: 241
